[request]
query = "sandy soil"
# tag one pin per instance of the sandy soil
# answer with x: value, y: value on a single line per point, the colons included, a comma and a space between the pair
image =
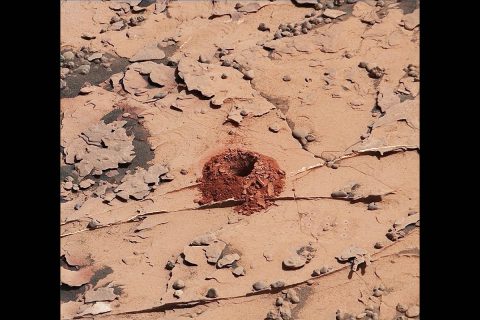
x: 151, y: 94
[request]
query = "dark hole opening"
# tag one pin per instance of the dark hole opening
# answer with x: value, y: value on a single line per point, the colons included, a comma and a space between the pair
x: 244, y: 166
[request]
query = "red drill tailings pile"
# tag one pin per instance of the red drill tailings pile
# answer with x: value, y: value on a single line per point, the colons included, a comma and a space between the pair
x: 242, y: 175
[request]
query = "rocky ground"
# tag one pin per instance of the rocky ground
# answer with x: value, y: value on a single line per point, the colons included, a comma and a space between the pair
x: 240, y: 159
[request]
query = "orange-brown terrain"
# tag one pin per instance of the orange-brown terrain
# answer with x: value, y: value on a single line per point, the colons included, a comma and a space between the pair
x: 240, y: 159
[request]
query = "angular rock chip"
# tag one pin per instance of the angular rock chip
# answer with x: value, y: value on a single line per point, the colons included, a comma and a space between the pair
x: 214, y: 251
x: 203, y: 240
x: 228, y: 260
x: 333, y: 14
x: 356, y: 256
x: 76, y: 278
x: 152, y: 52
x: 194, y: 255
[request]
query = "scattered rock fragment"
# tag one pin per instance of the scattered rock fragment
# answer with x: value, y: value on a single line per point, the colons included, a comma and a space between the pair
x: 214, y: 251
x: 278, y: 284
x: 88, y: 36
x: 170, y: 265
x: 203, y: 240
x: 152, y: 52
x: 401, y: 308
x: 93, y: 224
x: 249, y: 74
x: 212, y: 293
x: 96, y: 308
x: 238, y: 271
x: 227, y: 260
x: 177, y: 293
x: 372, y: 206
x: 286, y: 78
x: 193, y: 255
x: 259, y: 285
x: 378, y: 245
x: 83, y: 69
x: 413, y: 311
x: 263, y: 27
x: 279, y: 301
x: 274, y: 128
x: 356, y: 256
x: 332, y: 13
x: 178, y: 284
x: 294, y: 262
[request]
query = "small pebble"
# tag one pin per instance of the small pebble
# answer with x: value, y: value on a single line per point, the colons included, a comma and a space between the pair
x: 170, y: 265
x: 327, y: 20
x: 286, y: 78
x: 93, y: 224
x: 294, y: 299
x: 244, y: 113
x: 372, y: 206
x: 239, y: 271
x: 75, y: 187
x: 259, y: 285
x: 224, y: 76
x: 329, y: 5
x: 263, y: 27
x: 238, y: 5
x: 178, y: 284
x: 278, y: 284
x: 318, y: 6
x: 339, y: 194
x: 377, y: 293
x: 167, y: 177
x: 296, y: 32
x: 411, y: 213
x: 401, y: 308
x: 69, y: 55
x: 83, y: 69
x: 310, y: 282
x: 88, y: 36
x: 274, y: 128
x: 310, y: 137
x: 279, y: 301
x: 77, y: 206
x: 203, y: 59
x: 304, y: 30
x: 212, y: 293
x: 362, y: 64
x: 249, y: 74
x: 378, y: 245
x: 177, y: 293
x: 184, y: 171
x: 348, y: 55
x: 413, y: 312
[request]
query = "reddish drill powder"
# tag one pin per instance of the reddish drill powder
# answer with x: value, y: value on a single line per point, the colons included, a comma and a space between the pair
x: 242, y: 175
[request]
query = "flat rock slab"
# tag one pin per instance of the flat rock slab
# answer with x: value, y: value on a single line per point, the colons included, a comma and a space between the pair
x: 333, y: 14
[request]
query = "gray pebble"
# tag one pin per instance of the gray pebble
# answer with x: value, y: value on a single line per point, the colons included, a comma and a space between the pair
x: 351, y: 1
x: 69, y: 55
x: 93, y: 224
x: 70, y: 64
x: 84, y: 69
x: 63, y: 84
x: 212, y: 293
x: 286, y: 78
x: 77, y: 206
x: 339, y: 194
x: 378, y: 245
x: 178, y: 284
x: 249, y: 74
x: 259, y: 285
x: 243, y: 113
x: 224, y: 76
x: 372, y: 206
x: 278, y: 284
x: 279, y: 301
